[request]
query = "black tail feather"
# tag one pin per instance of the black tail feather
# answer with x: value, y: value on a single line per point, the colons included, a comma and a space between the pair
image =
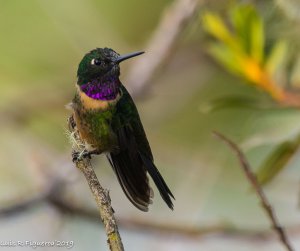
x: 132, y: 178
x: 131, y: 167
x: 159, y: 181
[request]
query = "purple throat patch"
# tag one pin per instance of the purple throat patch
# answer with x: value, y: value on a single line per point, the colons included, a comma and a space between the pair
x: 101, y: 90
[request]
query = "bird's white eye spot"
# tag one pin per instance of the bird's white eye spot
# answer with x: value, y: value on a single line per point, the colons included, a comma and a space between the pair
x: 95, y: 61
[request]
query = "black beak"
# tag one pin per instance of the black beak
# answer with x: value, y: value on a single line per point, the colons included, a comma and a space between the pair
x: 127, y: 56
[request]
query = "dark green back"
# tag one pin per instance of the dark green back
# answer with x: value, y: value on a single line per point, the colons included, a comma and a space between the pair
x: 127, y: 115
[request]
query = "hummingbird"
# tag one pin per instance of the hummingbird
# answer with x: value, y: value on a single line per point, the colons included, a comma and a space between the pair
x: 108, y: 122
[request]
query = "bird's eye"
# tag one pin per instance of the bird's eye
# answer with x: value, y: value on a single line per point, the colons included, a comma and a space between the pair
x: 96, y: 61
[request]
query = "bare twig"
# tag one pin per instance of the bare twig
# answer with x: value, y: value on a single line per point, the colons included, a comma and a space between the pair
x: 103, y: 202
x: 253, y: 180
x: 160, y: 46
x: 148, y: 226
x: 101, y: 195
x: 70, y: 208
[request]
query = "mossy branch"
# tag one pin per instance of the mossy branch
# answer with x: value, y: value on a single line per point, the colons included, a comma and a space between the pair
x: 100, y: 194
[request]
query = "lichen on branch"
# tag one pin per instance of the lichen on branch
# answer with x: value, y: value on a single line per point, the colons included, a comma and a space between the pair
x: 100, y: 194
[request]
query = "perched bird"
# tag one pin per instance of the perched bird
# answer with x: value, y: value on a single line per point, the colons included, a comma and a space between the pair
x: 108, y: 122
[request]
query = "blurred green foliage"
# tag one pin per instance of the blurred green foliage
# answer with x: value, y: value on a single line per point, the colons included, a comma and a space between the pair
x: 277, y: 160
x: 240, y: 48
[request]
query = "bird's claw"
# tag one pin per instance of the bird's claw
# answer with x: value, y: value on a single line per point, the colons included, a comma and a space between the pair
x: 77, y: 156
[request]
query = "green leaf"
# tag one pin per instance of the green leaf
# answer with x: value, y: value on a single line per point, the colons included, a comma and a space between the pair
x: 226, y: 56
x: 276, y: 57
x: 257, y: 38
x: 239, y: 18
x: 235, y: 102
x: 295, y: 73
x: 249, y: 28
x: 277, y: 160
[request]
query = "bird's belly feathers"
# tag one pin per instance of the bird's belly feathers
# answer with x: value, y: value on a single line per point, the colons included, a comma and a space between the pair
x: 95, y: 129
x: 93, y: 119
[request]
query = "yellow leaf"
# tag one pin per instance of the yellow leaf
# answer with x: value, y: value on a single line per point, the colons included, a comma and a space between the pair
x: 252, y: 70
x: 256, y: 74
x: 242, y: 51
x: 216, y: 27
x: 226, y: 57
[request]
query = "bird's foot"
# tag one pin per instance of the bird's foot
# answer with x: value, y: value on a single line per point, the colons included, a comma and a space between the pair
x: 76, y: 156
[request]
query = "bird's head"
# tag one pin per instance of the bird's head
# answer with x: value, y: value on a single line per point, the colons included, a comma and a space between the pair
x: 101, y: 63
x: 98, y: 73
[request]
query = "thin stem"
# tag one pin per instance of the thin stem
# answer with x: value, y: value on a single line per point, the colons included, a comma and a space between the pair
x: 103, y: 202
x: 253, y: 181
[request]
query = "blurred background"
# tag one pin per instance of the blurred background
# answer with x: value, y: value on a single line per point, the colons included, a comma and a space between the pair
x: 232, y: 67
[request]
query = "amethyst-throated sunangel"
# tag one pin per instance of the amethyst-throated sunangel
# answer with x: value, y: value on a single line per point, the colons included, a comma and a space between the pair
x: 108, y: 122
